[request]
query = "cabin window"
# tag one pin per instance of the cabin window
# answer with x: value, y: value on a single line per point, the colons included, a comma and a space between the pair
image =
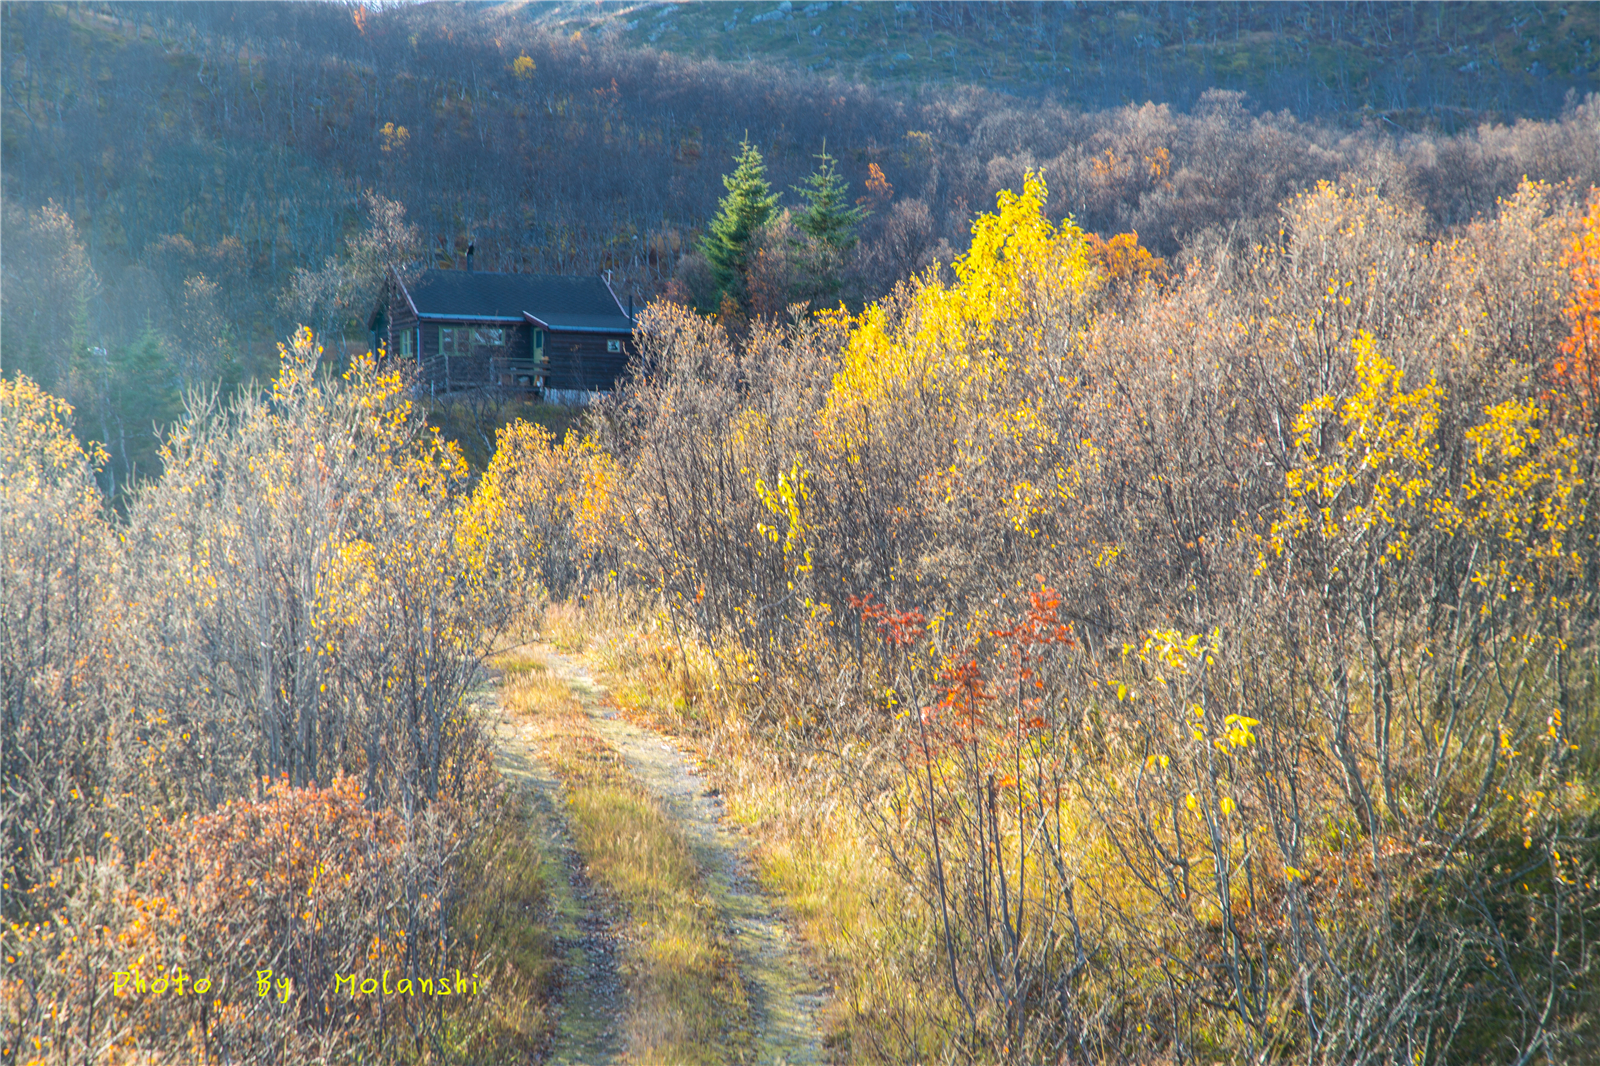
x: 613, y: 346
x: 403, y: 342
x: 453, y: 341
x: 490, y: 338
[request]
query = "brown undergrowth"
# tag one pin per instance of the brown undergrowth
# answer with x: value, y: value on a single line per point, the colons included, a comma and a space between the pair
x: 1209, y: 668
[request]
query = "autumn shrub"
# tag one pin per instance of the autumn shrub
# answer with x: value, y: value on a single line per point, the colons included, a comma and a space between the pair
x: 257, y: 672
x: 1577, y: 373
x: 237, y: 935
x: 474, y: 419
x: 1216, y: 663
x: 54, y: 579
x: 323, y: 519
x: 710, y: 421
x: 546, y: 513
x: 1122, y: 259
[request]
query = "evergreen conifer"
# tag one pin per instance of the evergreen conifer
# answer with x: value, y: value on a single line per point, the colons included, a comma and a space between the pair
x: 144, y: 399
x: 828, y: 217
x: 747, y: 207
x: 829, y: 221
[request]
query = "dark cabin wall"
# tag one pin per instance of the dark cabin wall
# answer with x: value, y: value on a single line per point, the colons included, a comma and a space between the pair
x: 401, y: 320
x: 482, y: 368
x: 395, y: 320
x: 580, y: 360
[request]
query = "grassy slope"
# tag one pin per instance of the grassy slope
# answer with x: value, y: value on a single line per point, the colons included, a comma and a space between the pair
x: 1386, y: 57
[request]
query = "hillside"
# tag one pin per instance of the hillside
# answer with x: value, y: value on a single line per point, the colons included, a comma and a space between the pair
x: 1044, y: 665
x: 1447, y: 65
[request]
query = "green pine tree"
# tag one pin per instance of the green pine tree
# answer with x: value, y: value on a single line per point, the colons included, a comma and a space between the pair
x: 747, y: 207
x: 829, y: 222
x: 828, y: 217
x: 141, y: 400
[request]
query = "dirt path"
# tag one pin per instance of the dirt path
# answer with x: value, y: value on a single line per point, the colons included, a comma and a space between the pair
x: 785, y: 999
x: 589, y: 1033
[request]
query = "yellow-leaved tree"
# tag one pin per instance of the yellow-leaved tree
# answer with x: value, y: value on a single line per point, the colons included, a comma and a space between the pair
x: 944, y: 419
x: 1021, y: 280
x: 544, y: 514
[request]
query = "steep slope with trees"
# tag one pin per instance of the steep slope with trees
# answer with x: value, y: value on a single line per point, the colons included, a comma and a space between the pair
x: 1451, y: 64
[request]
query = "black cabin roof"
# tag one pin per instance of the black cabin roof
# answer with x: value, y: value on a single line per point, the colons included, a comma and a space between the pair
x: 554, y: 301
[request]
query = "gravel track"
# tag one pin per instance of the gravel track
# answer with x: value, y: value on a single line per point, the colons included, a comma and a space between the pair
x: 588, y: 1030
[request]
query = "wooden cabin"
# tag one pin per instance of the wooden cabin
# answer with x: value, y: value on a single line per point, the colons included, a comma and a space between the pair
x: 566, y: 339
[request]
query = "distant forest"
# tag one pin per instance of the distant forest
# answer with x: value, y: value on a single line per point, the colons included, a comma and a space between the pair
x: 1450, y: 65
x: 169, y: 167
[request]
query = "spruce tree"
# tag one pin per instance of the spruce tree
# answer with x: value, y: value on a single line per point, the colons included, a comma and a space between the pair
x: 144, y: 401
x: 829, y: 221
x: 747, y: 207
x: 828, y: 217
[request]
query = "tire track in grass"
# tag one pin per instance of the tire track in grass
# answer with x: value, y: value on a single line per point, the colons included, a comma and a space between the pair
x: 587, y: 1031
x: 683, y: 998
x: 784, y: 999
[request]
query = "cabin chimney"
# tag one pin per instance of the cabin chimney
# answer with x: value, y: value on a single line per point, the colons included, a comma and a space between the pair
x: 469, y: 256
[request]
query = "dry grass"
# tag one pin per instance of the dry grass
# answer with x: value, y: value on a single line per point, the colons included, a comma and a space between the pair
x: 687, y: 1003
x: 504, y: 915
x: 563, y: 627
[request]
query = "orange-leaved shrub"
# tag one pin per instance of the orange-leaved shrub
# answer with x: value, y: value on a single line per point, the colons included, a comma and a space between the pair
x: 1124, y: 259
x: 1577, y: 372
x: 248, y: 934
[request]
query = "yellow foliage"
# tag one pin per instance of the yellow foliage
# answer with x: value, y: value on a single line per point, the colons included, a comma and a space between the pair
x: 784, y: 502
x: 396, y: 542
x: 949, y: 341
x: 1170, y: 652
x: 545, y: 510
x: 1519, y: 490
x: 38, y: 452
x: 1356, y: 483
x: 955, y: 354
x: 1522, y: 483
x: 394, y: 137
